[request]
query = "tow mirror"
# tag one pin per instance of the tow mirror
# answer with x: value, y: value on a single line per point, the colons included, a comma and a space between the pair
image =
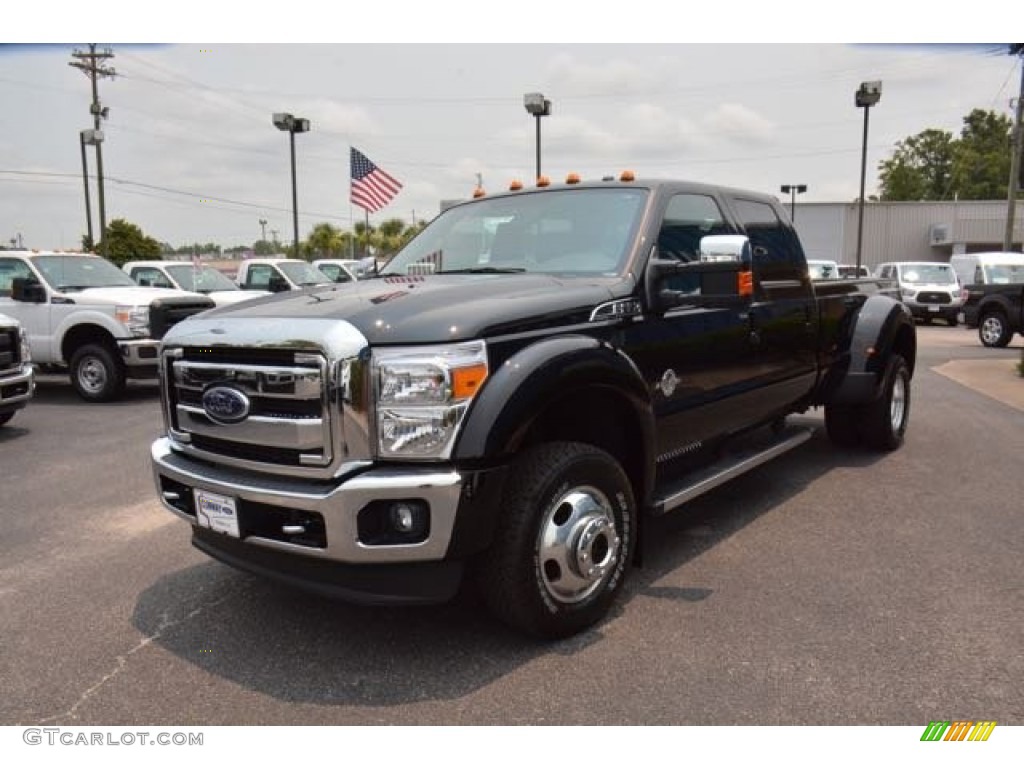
x: 28, y: 289
x: 278, y: 284
x: 720, y: 277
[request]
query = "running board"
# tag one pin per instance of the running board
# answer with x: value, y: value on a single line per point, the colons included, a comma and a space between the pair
x: 732, y: 465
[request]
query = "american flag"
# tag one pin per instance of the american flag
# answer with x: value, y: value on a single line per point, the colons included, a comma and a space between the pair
x: 372, y: 189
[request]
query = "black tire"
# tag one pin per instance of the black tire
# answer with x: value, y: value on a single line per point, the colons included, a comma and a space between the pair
x: 5, y: 417
x: 841, y: 425
x: 96, y: 373
x: 952, y: 321
x: 564, y: 541
x: 883, y: 422
x: 993, y: 330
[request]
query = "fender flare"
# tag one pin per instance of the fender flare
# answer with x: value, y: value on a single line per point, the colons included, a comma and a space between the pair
x: 520, y: 389
x: 878, y: 327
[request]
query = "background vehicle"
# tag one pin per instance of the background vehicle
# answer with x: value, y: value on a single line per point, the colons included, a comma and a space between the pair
x: 929, y: 289
x: 517, y: 411
x: 17, y: 381
x: 340, y: 270
x: 852, y: 270
x: 990, y: 268
x: 187, y: 276
x: 83, y: 312
x: 276, y: 275
x: 996, y: 310
x: 822, y: 270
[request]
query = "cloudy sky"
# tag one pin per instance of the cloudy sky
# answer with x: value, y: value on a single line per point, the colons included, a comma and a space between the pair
x: 191, y: 153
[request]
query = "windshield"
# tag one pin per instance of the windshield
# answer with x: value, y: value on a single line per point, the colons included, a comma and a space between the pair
x: 200, y: 279
x: 572, y: 231
x: 1004, y: 273
x: 920, y: 274
x: 823, y: 270
x: 303, y: 273
x: 75, y: 273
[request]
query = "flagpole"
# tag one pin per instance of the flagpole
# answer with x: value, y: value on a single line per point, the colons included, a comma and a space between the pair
x: 366, y: 212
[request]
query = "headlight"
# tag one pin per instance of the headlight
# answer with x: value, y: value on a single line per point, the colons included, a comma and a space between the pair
x: 26, y: 350
x: 422, y: 394
x: 135, y: 319
x: 908, y: 292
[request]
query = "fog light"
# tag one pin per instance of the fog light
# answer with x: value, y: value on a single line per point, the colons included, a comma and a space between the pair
x: 393, y: 521
x: 403, y: 517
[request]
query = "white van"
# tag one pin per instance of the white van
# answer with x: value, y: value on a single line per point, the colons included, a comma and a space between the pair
x: 989, y: 268
x: 930, y: 289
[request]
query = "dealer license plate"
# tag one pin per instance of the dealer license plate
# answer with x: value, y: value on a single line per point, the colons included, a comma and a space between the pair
x: 933, y: 308
x: 216, y: 512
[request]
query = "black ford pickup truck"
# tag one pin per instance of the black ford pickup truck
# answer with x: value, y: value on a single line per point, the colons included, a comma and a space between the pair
x: 518, y: 390
x: 996, y: 310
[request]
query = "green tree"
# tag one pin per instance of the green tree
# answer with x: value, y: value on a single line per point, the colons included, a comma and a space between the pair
x: 264, y: 248
x: 920, y: 167
x: 325, y: 241
x: 127, y: 242
x: 935, y: 166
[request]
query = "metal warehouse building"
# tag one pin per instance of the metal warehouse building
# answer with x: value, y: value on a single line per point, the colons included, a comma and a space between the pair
x: 913, y: 231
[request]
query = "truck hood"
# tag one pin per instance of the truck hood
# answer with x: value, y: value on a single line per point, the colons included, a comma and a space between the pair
x: 438, y: 308
x: 125, y: 295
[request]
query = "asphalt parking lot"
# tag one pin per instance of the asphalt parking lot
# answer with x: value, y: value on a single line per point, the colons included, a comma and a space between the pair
x: 828, y: 587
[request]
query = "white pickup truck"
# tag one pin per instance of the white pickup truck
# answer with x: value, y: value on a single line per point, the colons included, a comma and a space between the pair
x: 17, y: 382
x: 81, y: 311
x: 186, y: 276
x: 278, y: 274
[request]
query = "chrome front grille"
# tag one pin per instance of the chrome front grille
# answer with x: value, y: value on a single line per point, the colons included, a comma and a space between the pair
x: 10, y: 346
x: 306, y: 409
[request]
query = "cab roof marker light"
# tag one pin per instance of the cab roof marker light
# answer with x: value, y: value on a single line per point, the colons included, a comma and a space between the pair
x: 627, y: 176
x: 543, y: 181
x: 572, y: 178
x: 478, y: 192
x: 515, y: 185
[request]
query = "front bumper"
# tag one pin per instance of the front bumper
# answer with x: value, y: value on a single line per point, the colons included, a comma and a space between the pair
x: 140, y: 357
x: 16, y: 389
x: 335, y: 561
x: 949, y: 310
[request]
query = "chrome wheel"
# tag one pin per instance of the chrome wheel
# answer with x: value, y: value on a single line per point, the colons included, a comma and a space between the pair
x: 898, y: 403
x: 578, y: 545
x: 991, y: 330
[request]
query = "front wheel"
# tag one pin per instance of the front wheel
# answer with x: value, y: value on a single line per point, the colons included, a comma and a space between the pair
x: 96, y: 373
x: 564, y: 541
x: 5, y: 417
x: 993, y: 330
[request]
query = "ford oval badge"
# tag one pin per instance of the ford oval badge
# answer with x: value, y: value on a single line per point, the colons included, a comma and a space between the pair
x: 225, y: 405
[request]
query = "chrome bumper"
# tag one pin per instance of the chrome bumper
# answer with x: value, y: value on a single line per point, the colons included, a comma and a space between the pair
x: 338, y: 505
x: 9, y: 383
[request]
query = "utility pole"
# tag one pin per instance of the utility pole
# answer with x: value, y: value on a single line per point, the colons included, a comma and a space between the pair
x: 1016, y: 49
x: 263, y: 227
x: 92, y: 64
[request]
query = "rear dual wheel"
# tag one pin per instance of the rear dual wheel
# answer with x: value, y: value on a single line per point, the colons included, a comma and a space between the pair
x: 880, y: 424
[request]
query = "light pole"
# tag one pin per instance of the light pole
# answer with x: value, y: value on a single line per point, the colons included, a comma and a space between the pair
x: 263, y: 229
x: 793, y: 190
x: 91, y: 137
x: 867, y: 96
x: 539, y: 107
x: 288, y: 122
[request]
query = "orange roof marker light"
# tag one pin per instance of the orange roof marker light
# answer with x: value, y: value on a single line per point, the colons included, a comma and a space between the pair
x: 478, y: 192
x: 515, y: 185
x: 627, y: 176
x: 543, y: 181
x: 572, y: 178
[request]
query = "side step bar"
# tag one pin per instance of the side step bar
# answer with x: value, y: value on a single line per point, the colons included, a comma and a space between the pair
x: 732, y: 465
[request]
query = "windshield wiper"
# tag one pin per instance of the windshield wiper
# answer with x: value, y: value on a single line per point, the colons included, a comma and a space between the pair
x: 482, y: 271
